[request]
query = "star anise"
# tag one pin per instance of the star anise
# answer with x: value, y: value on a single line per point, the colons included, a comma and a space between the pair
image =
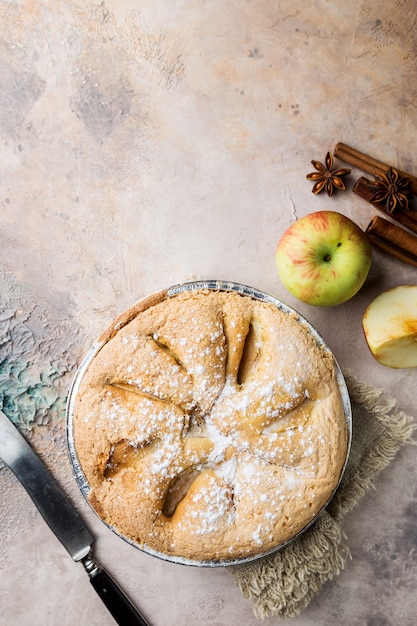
x: 327, y: 178
x: 391, y: 189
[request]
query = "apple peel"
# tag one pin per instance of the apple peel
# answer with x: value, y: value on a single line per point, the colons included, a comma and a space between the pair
x: 390, y: 327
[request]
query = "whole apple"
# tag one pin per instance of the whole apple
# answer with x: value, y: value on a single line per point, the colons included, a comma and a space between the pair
x: 323, y: 258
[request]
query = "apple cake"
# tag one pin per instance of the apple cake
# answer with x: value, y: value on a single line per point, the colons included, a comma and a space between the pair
x: 209, y: 426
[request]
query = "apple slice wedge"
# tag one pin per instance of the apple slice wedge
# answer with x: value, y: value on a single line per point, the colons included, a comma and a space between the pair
x: 390, y: 327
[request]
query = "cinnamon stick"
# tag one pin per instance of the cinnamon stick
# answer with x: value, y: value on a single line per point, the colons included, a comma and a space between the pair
x: 402, y: 216
x: 393, y: 239
x: 368, y: 164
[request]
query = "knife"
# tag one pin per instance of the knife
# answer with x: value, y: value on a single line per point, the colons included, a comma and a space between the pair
x: 63, y: 520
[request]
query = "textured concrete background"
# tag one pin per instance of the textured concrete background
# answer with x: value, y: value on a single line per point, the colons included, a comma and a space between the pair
x: 146, y: 143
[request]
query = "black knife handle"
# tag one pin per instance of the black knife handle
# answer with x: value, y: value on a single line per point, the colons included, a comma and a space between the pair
x: 113, y: 597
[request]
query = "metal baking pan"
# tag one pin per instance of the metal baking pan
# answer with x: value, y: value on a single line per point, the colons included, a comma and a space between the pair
x: 212, y: 285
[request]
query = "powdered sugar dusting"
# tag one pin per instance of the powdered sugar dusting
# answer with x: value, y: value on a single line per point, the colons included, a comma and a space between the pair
x: 211, y: 505
x: 239, y: 454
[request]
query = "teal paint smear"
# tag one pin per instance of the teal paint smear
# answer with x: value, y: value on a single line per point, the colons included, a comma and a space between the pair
x: 35, y: 360
x: 28, y: 394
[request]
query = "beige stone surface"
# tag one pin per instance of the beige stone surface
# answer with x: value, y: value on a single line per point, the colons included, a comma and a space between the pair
x: 146, y: 143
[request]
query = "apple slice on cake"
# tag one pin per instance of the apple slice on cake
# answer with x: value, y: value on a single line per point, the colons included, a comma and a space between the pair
x: 390, y: 327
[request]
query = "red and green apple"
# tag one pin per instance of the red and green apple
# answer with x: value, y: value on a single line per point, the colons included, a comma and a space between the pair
x: 323, y: 258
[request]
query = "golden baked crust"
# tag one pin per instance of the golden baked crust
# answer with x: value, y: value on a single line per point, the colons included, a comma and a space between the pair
x: 210, y: 426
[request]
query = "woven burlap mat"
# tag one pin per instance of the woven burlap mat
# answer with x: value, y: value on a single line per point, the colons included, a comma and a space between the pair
x: 283, y: 583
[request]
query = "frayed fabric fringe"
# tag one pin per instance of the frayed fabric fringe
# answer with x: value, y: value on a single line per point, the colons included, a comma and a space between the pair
x: 285, y: 582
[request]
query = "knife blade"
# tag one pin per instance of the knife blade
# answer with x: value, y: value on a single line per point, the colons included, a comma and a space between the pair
x: 63, y: 519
